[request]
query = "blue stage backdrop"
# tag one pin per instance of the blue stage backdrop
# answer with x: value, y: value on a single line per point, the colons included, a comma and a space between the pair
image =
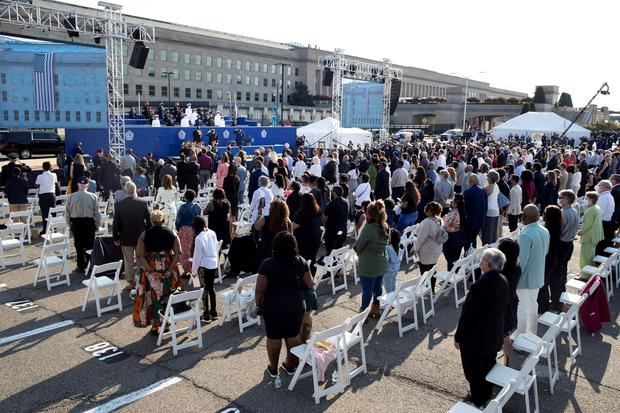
x: 166, y: 141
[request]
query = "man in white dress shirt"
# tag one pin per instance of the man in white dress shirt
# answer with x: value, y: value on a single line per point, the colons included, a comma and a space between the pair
x: 607, y: 204
x: 47, y: 182
x: 261, y: 199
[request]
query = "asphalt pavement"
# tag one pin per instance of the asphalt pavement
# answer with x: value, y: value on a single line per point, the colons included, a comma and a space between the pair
x: 49, y: 360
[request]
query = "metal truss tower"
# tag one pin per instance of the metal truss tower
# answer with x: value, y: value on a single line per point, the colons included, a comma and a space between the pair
x: 112, y: 28
x: 343, y: 67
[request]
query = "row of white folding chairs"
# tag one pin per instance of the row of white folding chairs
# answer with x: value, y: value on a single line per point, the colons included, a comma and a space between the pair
x: 343, y: 338
x: 407, y: 240
x: 605, y: 269
x: 339, y: 261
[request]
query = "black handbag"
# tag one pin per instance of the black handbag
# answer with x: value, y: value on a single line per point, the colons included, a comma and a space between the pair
x: 177, y: 307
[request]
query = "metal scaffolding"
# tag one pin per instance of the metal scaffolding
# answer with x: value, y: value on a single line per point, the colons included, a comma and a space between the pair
x: 112, y: 28
x: 343, y: 67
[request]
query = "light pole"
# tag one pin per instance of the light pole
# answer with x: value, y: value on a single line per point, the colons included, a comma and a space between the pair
x: 282, y: 66
x: 466, y: 94
x: 168, y: 74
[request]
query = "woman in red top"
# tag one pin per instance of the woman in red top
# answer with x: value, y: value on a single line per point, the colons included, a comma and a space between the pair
x: 528, y: 189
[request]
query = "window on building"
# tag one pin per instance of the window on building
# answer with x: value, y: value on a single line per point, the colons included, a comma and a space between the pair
x: 228, y: 63
x: 238, y: 96
x: 175, y: 57
x: 137, y: 72
x: 247, y: 66
x: 3, y: 78
x: 218, y: 78
x: 248, y: 96
x: 47, y: 116
x: 5, y: 96
x: 67, y: 116
x: 175, y: 74
x: 187, y: 74
x: 288, y: 70
x: 256, y: 80
x: 265, y: 82
x: 273, y: 97
x: 208, y: 76
x: 98, y: 116
x: 89, y: 117
x: 56, y: 80
x: 16, y: 115
x: 125, y: 88
x: 26, y: 115
x: 164, y: 91
x: 247, y: 80
x: 187, y: 58
x: 296, y: 71
x: 57, y: 116
x: 98, y: 97
x: 125, y: 71
x: 288, y: 83
x: 256, y: 67
x: 218, y: 62
x: 273, y: 83
x: 198, y: 59
x: 256, y: 97
x: 151, y: 71
x: 238, y: 79
x: 164, y: 72
x: 151, y: 55
x: 265, y: 68
x: 138, y: 89
x: 264, y: 97
x: 163, y: 55
x: 151, y: 90
x: 5, y: 115
x: 176, y: 92
x: 238, y: 65
x: 229, y: 78
x: 198, y: 76
x: 37, y: 115
x: 209, y: 94
x: 198, y: 93
x: 273, y: 69
x: 208, y: 60
x: 78, y: 116
x: 188, y: 92
x: 218, y: 94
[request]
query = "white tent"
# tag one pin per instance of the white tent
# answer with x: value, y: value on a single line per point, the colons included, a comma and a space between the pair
x: 538, y: 123
x: 329, y: 131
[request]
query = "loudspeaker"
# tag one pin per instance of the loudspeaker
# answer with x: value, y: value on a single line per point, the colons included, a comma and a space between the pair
x: 139, y: 55
x: 395, y: 95
x: 70, y: 24
x: 328, y: 77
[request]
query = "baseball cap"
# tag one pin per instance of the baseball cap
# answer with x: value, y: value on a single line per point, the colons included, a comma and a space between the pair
x: 12, y: 155
x: 83, y: 180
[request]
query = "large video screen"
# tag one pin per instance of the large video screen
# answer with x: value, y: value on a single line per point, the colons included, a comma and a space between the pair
x: 362, y: 104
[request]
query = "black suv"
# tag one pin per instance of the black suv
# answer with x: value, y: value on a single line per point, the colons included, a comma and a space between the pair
x: 28, y: 143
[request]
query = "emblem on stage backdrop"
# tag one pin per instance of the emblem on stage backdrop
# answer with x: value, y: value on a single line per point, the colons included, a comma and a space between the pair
x: 225, y: 134
x: 263, y: 133
x: 129, y: 135
x: 181, y: 134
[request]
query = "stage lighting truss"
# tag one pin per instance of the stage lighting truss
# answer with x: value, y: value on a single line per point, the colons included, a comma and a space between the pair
x: 111, y: 27
x: 344, y: 67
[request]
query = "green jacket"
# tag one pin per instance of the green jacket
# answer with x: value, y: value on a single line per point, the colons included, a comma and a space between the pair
x: 592, y: 226
x: 370, y: 248
x: 372, y: 176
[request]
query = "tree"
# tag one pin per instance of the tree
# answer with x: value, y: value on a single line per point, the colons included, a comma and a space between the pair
x: 566, y: 100
x: 525, y: 108
x: 301, y: 96
x: 539, y: 95
x: 473, y: 100
x: 532, y: 107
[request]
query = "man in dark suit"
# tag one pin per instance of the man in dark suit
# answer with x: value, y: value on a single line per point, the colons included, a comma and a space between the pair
x: 330, y: 170
x: 256, y: 173
x: 480, y: 332
x: 615, y: 192
x: 382, y: 182
x: 131, y: 218
x: 475, y: 209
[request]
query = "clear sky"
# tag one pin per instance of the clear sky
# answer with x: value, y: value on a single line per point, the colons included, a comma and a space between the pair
x: 518, y: 44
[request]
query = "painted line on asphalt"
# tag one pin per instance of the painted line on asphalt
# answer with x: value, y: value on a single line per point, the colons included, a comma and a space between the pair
x: 55, y: 326
x: 132, y: 397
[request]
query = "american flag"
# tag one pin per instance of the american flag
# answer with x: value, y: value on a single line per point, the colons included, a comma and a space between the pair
x: 44, y: 81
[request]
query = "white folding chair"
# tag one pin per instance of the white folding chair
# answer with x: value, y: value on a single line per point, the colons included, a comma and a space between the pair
x: 352, y: 336
x: 53, y: 255
x: 62, y: 199
x: 494, y: 406
x: 604, y: 270
x: 241, y: 299
x: 57, y: 232
x: 12, y: 239
x: 451, y: 280
x: 571, y: 320
x: 529, y: 343
x: 334, y: 263
x: 307, y: 355
x: 350, y: 262
x: 56, y: 214
x: 96, y: 283
x: 244, y: 220
x: 192, y: 298
x: 402, y: 299
x: 525, y: 378
x: 406, y: 243
x: 18, y: 219
x: 220, y: 276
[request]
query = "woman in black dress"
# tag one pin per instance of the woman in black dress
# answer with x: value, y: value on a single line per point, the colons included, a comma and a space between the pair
x: 231, y: 187
x: 280, y: 299
x: 307, y: 227
x: 271, y: 225
x: 218, y: 211
x: 76, y: 170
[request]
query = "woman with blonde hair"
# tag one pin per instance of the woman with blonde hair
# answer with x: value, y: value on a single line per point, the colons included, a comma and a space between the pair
x: 373, y: 261
x: 158, y: 252
x: 76, y: 170
x: 427, y: 246
x: 166, y: 199
x: 315, y: 169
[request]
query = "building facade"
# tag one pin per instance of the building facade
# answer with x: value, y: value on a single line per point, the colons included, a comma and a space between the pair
x: 79, y: 78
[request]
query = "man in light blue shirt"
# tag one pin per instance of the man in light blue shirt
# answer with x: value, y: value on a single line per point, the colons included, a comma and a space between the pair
x: 533, y: 248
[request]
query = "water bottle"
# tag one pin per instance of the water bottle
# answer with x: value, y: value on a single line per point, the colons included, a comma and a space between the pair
x: 278, y: 382
x: 334, y: 377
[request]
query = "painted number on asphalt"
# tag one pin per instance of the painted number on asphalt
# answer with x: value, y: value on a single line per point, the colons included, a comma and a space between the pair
x: 229, y: 410
x: 21, y: 305
x: 106, y: 352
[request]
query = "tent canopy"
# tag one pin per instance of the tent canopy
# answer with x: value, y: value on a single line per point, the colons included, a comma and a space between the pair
x: 329, y: 131
x: 532, y: 123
